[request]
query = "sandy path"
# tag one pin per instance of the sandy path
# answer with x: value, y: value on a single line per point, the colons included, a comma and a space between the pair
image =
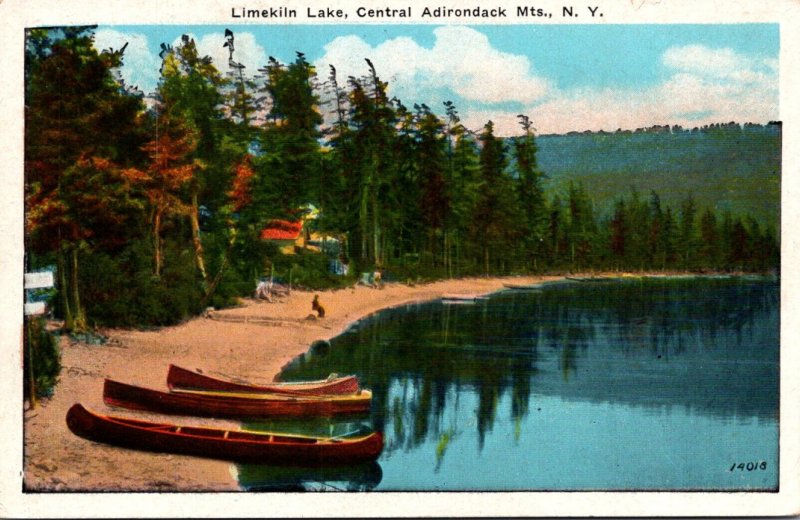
x: 225, y: 343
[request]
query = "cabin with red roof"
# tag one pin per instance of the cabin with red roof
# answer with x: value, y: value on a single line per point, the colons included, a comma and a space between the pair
x: 282, y: 230
x: 292, y: 234
x: 287, y: 234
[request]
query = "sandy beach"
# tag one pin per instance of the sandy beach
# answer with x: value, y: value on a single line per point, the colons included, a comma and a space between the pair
x: 252, y: 341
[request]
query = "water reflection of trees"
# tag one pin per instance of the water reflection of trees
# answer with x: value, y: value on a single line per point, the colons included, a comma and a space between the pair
x: 651, y: 344
x: 263, y: 477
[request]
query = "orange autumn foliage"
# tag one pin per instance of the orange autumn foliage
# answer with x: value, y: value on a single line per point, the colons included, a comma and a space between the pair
x: 241, y: 194
x: 163, y: 180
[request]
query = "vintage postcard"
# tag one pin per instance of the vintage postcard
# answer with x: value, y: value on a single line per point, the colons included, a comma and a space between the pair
x: 399, y: 258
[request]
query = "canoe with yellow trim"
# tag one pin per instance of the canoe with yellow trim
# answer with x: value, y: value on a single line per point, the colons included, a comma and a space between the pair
x: 236, y: 445
x: 180, y: 379
x: 209, y: 403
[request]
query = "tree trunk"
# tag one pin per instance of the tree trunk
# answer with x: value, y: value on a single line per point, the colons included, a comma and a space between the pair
x: 458, y: 253
x: 364, y: 220
x: 444, y: 251
x: 63, y: 289
x: 198, y: 245
x: 376, y: 230
x: 79, y: 316
x: 157, y: 243
x: 223, y: 265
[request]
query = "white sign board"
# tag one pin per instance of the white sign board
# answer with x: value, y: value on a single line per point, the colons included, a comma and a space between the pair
x: 34, y: 309
x: 39, y: 280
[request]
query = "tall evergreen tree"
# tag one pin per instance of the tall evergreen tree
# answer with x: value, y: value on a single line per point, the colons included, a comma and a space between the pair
x: 688, y: 232
x: 190, y: 98
x: 530, y: 191
x: 464, y: 191
x: 619, y: 231
x: 709, y: 240
x: 556, y: 230
x: 495, y: 213
x: 373, y: 120
x: 405, y: 222
x: 582, y: 226
x: 669, y: 239
x: 431, y: 158
x: 288, y: 173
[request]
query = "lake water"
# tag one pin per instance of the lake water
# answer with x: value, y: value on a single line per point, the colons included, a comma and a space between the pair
x: 643, y: 384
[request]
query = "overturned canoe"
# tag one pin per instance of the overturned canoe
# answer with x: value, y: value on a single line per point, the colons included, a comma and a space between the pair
x: 233, y: 404
x: 238, y: 445
x: 180, y: 379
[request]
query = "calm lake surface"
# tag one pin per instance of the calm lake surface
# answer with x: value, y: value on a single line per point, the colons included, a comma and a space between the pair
x: 617, y: 385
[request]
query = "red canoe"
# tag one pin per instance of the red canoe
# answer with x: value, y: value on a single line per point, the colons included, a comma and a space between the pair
x: 179, y: 379
x: 233, y: 405
x: 224, y: 444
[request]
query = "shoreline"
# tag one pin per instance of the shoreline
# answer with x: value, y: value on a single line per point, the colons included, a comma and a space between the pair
x: 253, y: 341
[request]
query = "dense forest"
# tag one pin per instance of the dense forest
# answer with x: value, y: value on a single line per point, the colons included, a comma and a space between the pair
x: 152, y: 208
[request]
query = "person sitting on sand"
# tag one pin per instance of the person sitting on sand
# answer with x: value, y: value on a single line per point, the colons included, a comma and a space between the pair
x: 316, y: 306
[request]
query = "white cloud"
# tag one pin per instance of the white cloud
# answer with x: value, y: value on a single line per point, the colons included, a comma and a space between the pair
x: 140, y: 67
x: 699, y: 59
x: 461, y: 60
x: 707, y: 86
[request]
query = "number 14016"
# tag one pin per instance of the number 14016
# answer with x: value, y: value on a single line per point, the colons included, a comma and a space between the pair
x: 749, y: 466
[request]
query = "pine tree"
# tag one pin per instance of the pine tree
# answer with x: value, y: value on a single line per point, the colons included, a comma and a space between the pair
x: 496, y: 210
x: 619, y: 231
x: 373, y: 121
x: 709, y: 240
x: 336, y: 199
x: 431, y: 160
x: 405, y: 222
x: 556, y: 231
x: 530, y: 191
x: 464, y: 191
x: 189, y: 95
x: 688, y: 232
x: 581, y: 228
x: 290, y: 171
x: 669, y: 240
x: 287, y: 168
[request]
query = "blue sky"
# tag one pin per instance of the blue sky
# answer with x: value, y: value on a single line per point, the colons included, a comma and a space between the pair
x: 565, y: 77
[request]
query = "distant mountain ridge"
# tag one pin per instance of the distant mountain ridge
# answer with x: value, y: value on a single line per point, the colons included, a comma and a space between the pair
x: 729, y: 167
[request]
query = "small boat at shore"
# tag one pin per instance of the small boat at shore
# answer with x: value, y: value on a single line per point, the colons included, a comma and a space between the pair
x: 452, y: 297
x: 523, y: 287
x: 590, y: 278
x: 237, y: 445
x: 209, y: 403
x: 182, y: 380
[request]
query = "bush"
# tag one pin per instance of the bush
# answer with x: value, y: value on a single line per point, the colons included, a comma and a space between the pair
x: 122, y: 291
x: 46, y: 359
x: 309, y: 270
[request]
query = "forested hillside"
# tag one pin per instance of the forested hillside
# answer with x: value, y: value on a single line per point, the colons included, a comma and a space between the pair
x: 728, y: 167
